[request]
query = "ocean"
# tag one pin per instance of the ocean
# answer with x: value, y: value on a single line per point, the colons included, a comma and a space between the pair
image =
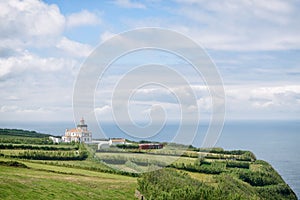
x: 276, y: 142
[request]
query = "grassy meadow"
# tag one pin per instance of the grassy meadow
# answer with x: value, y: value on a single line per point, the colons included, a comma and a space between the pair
x: 40, y: 182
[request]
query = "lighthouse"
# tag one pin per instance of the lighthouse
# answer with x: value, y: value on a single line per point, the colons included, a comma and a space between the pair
x: 78, y: 134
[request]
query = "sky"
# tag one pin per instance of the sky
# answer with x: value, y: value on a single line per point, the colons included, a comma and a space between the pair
x: 254, y: 44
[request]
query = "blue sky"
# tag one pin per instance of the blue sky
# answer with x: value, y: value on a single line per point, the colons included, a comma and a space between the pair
x: 254, y: 44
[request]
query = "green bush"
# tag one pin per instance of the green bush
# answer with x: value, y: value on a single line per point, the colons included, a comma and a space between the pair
x: 128, y: 146
x: 276, y: 192
x: 170, y: 184
x: 237, y: 164
x: 258, y: 178
x: 13, y: 164
x: 35, y: 147
x: 209, y: 168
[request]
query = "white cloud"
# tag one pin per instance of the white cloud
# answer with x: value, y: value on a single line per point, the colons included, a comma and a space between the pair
x: 106, y: 35
x: 37, y: 58
x: 29, y: 18
x: 263, y: 102
x: 74, y: 48
x: 246, y: 25
x: 129, y: 4
x: 32, y: 23
x: 243, y: 25
x: 204, y: 104
x: 150, y: 98
x: 5, y: 109
x: 28, y: 61
x: 244, y: 101
x: 103, y: 110
x: 22, y: 113
x: 82, y: 18
x: 38, y: 62
x: 284, y: 97
x: 17, y: 109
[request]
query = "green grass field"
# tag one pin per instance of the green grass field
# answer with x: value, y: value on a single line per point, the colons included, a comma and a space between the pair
x: 42, y: 181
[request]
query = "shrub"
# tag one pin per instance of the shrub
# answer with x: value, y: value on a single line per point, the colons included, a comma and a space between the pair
x: 128, y: 146
x: 35, y: 147
x: 214, y: 168
x: 259, y: 178
x: 170, y: 184
x: 13, y: 164
x: 276, y: 192
x: 237, y: 164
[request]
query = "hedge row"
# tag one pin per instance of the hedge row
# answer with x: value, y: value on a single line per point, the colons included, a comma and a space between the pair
x: 237, y: 164
x: 120, y: 160
x: 214, y: 168
x: 22, y: 133
x: 50, y: 155
x: 13, y: 164
x: 258, y: 178
x: 34, y: 147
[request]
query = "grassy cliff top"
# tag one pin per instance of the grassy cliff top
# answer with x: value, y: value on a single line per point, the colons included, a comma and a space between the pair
x: 32, y: 167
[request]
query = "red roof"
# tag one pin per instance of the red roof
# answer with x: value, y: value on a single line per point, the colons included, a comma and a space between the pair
x: 76, y: 130
x: 118, y: 140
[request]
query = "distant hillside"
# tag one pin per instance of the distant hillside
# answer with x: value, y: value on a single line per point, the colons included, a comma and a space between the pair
x: 21, y: 133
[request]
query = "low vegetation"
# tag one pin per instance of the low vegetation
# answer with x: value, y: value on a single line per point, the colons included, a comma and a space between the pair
x: 47, y: 182
x: 22, y: 133
x: 170, y: 184
x: 35, y: 168
x: 17, y: 136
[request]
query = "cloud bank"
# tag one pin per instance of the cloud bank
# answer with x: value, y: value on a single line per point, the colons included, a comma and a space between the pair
x: 255, y: 45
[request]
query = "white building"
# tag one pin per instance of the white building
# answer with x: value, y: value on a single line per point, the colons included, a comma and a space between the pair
x: 115, y: 141
x: 55, y: 139
x: 104, y: 144
x: 79, y: 134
